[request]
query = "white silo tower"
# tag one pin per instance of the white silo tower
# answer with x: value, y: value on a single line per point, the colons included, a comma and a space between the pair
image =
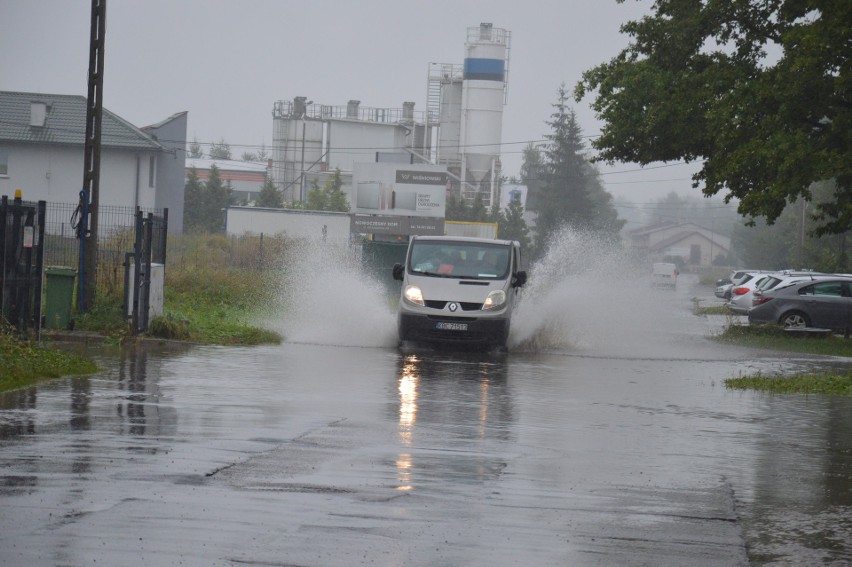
x: 484, y: 87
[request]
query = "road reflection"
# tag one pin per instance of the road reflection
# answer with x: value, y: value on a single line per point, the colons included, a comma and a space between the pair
x: 462, y: 399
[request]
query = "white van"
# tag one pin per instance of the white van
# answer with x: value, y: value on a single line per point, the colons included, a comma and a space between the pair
x: 664, y: 274
x: 458, y: 290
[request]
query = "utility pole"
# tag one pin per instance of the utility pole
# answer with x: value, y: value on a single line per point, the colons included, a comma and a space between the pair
x: 89, y: 196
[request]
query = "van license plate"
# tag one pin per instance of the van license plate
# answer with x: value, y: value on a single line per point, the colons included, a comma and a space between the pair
x: 447, y: 326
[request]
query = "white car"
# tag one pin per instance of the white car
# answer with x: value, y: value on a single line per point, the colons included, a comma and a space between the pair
x: 723, y: 286
x: 741, y: 293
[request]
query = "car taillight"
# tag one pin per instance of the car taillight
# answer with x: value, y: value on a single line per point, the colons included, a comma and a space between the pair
x: 741, y: 290
x: 760, y: 300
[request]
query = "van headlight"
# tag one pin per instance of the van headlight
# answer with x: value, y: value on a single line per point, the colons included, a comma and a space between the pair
x: 495, y: 299
x: 413, y: 294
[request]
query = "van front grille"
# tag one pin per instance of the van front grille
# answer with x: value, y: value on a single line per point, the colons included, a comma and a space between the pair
x: 465, y: 305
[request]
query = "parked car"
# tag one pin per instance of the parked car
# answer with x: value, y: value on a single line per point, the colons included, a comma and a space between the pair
x: 824, y: 302
x: 742, y: 297
x: 724, y: 285
x: 741, y: 294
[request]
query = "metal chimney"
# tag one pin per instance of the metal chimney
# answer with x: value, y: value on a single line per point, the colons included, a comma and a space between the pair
x: 352, y: 108
x: 408, y: 112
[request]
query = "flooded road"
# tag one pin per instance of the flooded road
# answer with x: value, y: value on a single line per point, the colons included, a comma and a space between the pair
x: 613, y: 444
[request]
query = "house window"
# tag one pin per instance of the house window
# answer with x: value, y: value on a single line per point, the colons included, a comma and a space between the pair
x: 151, y: 170
x: 4, y: 162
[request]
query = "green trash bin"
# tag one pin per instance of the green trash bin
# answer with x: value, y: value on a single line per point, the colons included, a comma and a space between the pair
x: 59, y: 296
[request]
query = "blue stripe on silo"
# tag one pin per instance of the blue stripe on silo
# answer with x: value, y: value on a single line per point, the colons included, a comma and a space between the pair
x: 484, y: 69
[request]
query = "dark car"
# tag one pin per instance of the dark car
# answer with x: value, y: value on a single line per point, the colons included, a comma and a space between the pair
x: 825, y: 303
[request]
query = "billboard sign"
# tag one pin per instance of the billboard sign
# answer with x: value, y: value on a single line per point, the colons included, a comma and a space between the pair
x: 379, y: 224
x: 393, y: 189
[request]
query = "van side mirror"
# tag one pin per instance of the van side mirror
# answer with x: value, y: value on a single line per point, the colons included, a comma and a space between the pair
x: 519, y: 279
x: 398, y: 270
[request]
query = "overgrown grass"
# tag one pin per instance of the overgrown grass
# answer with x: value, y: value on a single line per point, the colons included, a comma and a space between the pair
x: 773, y: 337
x: 217, y: 306
x: 711, y: 310
x: 829, y: 383
x: 216, y: 288
x: 699, y: 309
x: 23, y: 363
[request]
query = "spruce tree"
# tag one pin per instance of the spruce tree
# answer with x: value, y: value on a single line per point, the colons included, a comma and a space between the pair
x: 269, y: 195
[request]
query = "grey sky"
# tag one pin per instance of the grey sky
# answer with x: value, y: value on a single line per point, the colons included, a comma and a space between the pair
x: 227, y: 61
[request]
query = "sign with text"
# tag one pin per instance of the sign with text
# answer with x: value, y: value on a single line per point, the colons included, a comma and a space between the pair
x: 392, y: 189
x: 377, y: 224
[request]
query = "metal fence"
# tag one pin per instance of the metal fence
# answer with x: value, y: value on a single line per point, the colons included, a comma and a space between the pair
x: 116, y: 236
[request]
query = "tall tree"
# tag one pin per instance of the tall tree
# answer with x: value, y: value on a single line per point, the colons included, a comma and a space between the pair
x: 193, y: 199
x: 204, y: 203
x: 571, y: 193
x: 790, y: 242
x: 329, y: 197
x: 220, y: 150
x: 317, y: 198
x: 758, y: 91
x: 512, y: 225
x: 269, y: 195
x: 532, y: 169
x: 260, y: 156
x: 195, y: 149
x: 337, y: 200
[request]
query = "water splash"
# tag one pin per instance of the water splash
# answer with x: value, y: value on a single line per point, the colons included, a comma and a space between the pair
x: 585, y: 293
x: 329, y: 299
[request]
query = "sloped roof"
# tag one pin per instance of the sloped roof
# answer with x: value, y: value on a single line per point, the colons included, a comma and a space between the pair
x: 65, y: 123
x: 226, y: 165
x: 674, y: 239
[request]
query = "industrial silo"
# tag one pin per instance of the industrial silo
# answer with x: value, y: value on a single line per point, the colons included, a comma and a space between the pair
x: 483, y: 96
x: 297, y: 146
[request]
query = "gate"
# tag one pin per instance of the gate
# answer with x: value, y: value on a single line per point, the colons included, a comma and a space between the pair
x: 21, y: 260
x: 141, y: 277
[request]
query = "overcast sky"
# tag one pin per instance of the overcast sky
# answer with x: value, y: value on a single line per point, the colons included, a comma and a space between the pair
x: 226, y: 62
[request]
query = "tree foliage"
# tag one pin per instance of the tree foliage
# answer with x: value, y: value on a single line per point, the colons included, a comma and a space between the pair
x: 701, y: 81
x: 205, y: 202
x: 570, y: 191
x: 193, y: 195
x: 532, y: 169
x: 269, y: 195
x: 512, y: 226
x: 789, y: 242
x: 260, y: 156
x: 329, y: 197
x: 510, y: 222
x: 220, y: 150
x: 195, y: 149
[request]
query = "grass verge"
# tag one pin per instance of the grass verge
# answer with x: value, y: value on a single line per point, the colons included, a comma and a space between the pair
x: 217, y: 307
x: 829, y: 383
x: 773, y: 337
x: 23, y: 363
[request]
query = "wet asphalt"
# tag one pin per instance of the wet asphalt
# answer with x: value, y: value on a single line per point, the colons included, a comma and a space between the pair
x: 621, y: 447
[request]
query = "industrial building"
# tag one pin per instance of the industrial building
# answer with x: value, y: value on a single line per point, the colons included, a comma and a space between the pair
x: 460, y: 128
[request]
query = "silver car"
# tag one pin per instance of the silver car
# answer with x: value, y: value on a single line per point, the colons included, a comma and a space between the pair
x: 824, y: 303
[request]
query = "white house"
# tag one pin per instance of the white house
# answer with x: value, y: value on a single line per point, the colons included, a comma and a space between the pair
x: 42, y: 145
x: 692, y: 243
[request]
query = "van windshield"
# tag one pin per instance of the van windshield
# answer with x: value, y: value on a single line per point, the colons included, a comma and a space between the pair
x: 459, y: 259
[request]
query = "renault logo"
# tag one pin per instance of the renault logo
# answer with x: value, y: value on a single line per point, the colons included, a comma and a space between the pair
x: 453, y: 307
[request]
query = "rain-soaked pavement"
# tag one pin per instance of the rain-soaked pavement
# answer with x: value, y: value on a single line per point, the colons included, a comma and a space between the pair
x: 621, y: 447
